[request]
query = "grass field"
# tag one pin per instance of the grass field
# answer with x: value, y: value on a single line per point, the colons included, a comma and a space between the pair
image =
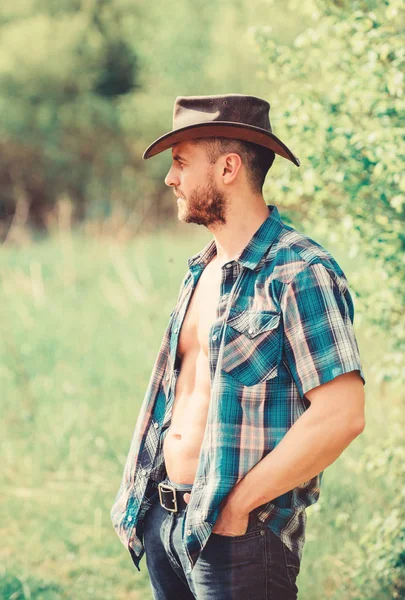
x: 81, y: 321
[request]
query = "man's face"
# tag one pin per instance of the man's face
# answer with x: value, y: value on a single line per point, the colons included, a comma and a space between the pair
x: 193, y: 179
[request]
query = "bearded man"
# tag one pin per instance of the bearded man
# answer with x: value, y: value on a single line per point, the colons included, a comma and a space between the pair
x: 257, y: 386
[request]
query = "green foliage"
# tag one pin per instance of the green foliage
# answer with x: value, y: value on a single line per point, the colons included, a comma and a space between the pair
x: 63, y: 69
x: 380, y: 569
x: 341, y: 106
x: 14, y: 588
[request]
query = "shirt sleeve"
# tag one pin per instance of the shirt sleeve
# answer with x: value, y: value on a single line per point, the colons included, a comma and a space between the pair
x: 319, y: 340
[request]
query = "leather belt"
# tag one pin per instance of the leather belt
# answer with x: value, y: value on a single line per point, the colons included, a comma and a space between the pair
x: 172, y: 498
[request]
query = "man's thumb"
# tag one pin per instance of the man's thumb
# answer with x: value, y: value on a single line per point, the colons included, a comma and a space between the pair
x: 187, y: 497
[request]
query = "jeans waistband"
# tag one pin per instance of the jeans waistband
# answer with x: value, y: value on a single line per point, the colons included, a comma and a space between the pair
x: 179, y: 486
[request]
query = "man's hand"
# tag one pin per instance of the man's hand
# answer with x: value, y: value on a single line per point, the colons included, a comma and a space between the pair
x: 228, y: 522
x: 231, y: 524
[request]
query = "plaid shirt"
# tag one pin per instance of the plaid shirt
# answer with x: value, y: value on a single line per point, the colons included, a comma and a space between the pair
x: 285, y: 325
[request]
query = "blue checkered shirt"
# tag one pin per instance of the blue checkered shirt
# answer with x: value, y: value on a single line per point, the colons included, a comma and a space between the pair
x: 284, y: 326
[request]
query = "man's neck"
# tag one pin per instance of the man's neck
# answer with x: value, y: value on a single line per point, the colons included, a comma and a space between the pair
x: 232, y: 239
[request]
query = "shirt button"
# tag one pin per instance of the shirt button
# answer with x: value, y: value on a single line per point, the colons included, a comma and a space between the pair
x: 176, y: 330
x: 228, y: 265
x: 167, y: 377
x: 251, y: 330
x: 214, y: 337
x: 129, y: 518
x: 156, y: 425
x: 262, y: 532
x: 189, y: 532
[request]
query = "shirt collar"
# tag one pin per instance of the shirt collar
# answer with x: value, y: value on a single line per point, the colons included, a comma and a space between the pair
x: 251, y: 255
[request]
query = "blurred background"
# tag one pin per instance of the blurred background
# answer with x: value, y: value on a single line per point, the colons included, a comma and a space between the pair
x: 92, y: 256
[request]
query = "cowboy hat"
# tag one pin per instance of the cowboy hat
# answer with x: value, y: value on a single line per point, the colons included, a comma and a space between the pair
x: 233, y: 116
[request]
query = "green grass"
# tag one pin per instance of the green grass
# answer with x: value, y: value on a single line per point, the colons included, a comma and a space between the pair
x: 80, y: 324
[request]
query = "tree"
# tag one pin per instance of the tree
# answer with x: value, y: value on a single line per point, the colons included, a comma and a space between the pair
x: 63, y: 69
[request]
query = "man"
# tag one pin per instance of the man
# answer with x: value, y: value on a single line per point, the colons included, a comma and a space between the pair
x: 257, y: 386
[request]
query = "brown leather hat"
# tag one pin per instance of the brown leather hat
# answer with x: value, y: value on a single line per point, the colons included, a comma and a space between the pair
x: 233, y: 116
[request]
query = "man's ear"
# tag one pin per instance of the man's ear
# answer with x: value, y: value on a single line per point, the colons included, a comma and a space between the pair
x: 230, y: 168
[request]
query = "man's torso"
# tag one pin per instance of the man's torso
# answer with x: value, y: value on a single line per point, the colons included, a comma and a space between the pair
x: 192, y: 392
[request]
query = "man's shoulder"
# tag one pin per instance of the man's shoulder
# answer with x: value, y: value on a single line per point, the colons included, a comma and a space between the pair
x: 294, y: 252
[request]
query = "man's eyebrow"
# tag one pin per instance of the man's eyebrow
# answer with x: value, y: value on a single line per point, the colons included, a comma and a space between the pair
x: 179, y: 157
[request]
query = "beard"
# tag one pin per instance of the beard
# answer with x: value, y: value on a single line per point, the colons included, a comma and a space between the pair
x: 205, y: 205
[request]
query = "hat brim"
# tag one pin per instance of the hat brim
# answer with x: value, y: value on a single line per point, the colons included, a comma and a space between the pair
x: 229, y: 129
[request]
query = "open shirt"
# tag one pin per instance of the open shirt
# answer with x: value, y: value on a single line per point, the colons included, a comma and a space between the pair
x: 284, y: 326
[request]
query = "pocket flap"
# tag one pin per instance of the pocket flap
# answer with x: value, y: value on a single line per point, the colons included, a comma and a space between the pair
x: 251, y: 323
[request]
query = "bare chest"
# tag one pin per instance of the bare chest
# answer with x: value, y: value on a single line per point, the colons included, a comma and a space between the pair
x: 201, y: 312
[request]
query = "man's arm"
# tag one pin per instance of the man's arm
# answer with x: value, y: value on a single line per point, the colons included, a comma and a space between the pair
x: 334, y: 418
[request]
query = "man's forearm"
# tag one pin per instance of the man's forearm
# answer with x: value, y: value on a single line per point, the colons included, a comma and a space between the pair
x: 309, y: 446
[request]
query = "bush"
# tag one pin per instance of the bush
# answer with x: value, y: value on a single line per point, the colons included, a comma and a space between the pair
x: 342, y: 112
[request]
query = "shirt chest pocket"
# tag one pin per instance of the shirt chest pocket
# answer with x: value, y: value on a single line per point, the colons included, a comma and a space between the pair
x: 252, y: 345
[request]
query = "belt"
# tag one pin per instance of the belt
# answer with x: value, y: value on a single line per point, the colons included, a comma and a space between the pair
x: 172, y: 498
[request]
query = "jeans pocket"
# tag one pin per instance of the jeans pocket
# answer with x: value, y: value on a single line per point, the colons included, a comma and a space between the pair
x: 292, y: 563
x: 254, y: 528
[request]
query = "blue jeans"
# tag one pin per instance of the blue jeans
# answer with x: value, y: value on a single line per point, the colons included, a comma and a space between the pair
x: 255, y: 565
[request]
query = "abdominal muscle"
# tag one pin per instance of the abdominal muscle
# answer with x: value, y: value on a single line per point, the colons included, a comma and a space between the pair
x: 182, y: 443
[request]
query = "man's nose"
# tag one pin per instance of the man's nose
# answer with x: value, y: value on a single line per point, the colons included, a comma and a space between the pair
x: 171, y: 179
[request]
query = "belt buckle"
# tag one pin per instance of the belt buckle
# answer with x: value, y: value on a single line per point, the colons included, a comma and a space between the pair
x: 173, y: 489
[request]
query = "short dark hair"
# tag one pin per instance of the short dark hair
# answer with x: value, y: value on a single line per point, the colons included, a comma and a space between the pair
x: 257, y: 159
